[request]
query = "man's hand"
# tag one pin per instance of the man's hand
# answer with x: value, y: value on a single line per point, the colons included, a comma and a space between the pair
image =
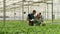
x: 32, y: 20
x: 27, y: 18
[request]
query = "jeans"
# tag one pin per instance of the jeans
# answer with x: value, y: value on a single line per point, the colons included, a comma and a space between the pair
x: 31, y: 23
x: 38, y: 24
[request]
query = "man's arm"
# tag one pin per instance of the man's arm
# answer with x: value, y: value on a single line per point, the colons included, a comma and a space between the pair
x: 28, y: 16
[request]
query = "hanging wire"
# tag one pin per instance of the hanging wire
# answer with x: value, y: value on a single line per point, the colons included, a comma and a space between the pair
x: 22, y: 10
x: 47, y: 11
x: 52, y: 11
x: 14, y: 12
x: 4, y: 13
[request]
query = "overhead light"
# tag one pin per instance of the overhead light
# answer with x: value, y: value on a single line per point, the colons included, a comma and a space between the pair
x: 27, y: 0
x: 49, y: 1
x: 37, y: 0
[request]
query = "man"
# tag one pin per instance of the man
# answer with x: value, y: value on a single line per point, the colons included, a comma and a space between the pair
x: 31, y: 18
x: 40, y: 19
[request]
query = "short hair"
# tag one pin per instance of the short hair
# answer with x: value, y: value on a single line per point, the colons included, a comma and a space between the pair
x: 34, y: 10
x: 40, y: 13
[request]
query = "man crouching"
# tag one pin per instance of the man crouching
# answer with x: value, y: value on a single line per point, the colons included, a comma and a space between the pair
x: 39, y: 19
x: 31, y: 18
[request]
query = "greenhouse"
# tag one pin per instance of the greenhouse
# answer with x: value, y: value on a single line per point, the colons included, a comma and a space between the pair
x: 13, y: 16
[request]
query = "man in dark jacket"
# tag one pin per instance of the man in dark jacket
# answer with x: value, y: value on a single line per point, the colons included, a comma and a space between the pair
x: 31, y: 18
